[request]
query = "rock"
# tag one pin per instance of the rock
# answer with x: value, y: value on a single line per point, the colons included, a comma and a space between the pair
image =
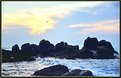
x: 68, y: 53
x: 6, y: 55
x: 78, y: 72
x: 15, y: 48
x: 91, y: 43
x: 70, y: 74
x: 86, y: 73
x: 26, y: 48
x: 60, y: 46
x: 116, y: 55
x: 56, y: 70
x: 106, y: 44
x: 104, y: 53
x: 74, y: 72
x: 35, y: 49
x: 46, y: 48
x: 44, y: 43
x: 84, y: 53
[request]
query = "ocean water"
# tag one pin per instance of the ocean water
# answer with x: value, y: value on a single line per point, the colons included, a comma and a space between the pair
x: 99, y: 67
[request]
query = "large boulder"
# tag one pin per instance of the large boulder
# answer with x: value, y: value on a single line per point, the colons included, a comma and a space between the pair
x: 91, y: 43
x: 86, y: 73
x: 35, y: 49
x: 15, y: 48
x: 26, y: 48
x: 94, y: 49
x: 60, y: 46
x: 56, y: 70
x: 46, y: 48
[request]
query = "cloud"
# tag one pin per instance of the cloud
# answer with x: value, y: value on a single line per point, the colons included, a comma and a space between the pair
x: 101, y: 26
x: 41, y: 19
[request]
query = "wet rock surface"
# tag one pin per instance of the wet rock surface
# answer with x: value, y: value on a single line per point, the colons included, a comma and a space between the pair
x: 61, y: 70
x: 56, y: 70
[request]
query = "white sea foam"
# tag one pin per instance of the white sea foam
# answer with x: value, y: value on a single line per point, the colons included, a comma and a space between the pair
x: 99, y: 67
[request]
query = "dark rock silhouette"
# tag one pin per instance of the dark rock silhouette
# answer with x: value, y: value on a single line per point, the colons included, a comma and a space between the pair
x: 68, y: 52
x: 60, y: 46
x: 46, y: 48
x: 106, y: 44
x: 26, y: 48
x: 84, y: 53
x: 92, y: 49
x: 104, y: 53
x: 6, y: 55
x: 86, y: 73
x: 56, y: 70
x: 91, y: 43
x: 15, y: 48
x: 35, y: 49
x: 70, y: 74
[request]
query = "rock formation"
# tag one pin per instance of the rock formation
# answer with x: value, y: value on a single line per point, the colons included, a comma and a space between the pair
x: 92, y: 48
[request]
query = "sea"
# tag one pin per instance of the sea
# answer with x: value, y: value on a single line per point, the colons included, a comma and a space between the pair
x: 99, y: 67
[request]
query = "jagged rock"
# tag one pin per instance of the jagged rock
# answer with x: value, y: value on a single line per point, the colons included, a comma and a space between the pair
x: 26, y: 48
x: 84, y: 53
x: 56, y: 70
x: 35, y: 49
x: 91, y: 49
x: 104, y: 53
x: 60, y: 46
x: 71, y: 49
x: 69, y: 52
x: 6, y: 55
x: 91, y: 43
x: 46, y: 48
x: 15, y: 48
x: 106, y: 44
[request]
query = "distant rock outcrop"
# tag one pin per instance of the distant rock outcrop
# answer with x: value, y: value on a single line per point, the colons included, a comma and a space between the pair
x: 46, y: 48
x: 91, y: 43
x: 92, y: 48
x: 15, y: 48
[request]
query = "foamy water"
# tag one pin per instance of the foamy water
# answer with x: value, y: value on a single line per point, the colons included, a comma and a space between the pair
x: 99, y: 67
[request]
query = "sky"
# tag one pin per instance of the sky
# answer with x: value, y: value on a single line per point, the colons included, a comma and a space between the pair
x: 71, y: 22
